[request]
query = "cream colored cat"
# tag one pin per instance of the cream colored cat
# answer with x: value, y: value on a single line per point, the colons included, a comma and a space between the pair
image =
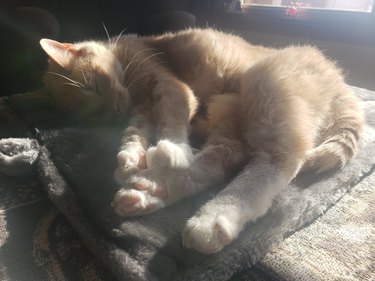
x: 269, y: 114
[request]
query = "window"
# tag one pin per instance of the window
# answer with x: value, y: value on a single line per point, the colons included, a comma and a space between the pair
x: 349, y: 21
x: 338, y: 5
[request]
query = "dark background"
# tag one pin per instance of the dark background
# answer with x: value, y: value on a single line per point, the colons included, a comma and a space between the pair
x: 24, y: 23
x: 343, y: 38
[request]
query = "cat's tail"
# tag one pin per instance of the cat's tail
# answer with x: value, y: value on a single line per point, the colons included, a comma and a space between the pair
x: 341, y: 139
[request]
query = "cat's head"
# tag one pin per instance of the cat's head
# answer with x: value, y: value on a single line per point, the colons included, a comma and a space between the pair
x: 85, y: 80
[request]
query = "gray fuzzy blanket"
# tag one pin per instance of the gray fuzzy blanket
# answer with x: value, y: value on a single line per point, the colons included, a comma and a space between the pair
x: 76, y: 167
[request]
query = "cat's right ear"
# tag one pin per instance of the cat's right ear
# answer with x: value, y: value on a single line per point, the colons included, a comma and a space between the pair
x: 62, y: 53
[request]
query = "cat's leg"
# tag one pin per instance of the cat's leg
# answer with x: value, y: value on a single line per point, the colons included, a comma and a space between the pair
x: 132, y: 153
x: 157, y: 187
x: 246, y: 198
x: 175, y: 105
x: 279, y: 128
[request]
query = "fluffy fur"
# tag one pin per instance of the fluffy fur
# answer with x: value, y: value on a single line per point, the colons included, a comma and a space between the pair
x: 261, y: 114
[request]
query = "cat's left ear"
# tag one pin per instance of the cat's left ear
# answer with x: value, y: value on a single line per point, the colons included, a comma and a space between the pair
x: 62, y: 53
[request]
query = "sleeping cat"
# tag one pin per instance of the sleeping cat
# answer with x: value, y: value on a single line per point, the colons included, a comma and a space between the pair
x: 263, y: 115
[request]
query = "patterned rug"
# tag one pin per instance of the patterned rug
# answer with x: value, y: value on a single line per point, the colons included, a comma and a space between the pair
x: 36, y: 241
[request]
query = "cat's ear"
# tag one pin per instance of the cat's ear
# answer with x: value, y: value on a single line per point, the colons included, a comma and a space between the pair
x: 62, y: 53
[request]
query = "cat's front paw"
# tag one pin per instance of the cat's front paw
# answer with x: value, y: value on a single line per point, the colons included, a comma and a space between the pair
x: 169, y: 154
x: 144, y: 193
x: 130, y: 161
x: 209, y: 233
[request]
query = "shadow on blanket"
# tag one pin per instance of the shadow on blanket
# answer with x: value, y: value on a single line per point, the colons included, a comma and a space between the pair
x: 76, y: 167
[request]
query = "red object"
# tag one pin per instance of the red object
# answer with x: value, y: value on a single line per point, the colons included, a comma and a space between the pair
x: 293, y: 9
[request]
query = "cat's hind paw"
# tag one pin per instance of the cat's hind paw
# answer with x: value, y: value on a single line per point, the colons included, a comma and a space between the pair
x: 169, y: 154
x: 208, y: 233
x: 142, y: 196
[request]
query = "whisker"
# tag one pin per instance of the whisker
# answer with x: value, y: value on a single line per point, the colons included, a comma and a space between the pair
x: 118, y: 37
x: 142, y: 51
x: 131, y: 75
x: 126, y: 68
x: 143, y: 62
x: 155, y: 54
x: 84, y: 77
x: 72, y: 84
x: 136, y: 80
x: 138, y: 53
x: 106, y: 31
x: 132, y: 60
x: 67, y: 78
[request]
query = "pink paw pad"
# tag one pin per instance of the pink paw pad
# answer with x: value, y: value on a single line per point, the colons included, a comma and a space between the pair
x: 144, y: 198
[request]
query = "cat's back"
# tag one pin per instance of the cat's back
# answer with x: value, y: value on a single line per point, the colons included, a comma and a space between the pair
x: 199, y: 47
x: 206, y: 57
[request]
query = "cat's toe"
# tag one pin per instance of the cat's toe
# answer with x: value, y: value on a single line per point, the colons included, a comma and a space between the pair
x: 169, y: 154
x: 208, y: 234
x: 144, y: 193
x: 152, y: 187
x: 130, y: 161
x: 133, y: 202
x: 121, y: 174
x: 132, y: 156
